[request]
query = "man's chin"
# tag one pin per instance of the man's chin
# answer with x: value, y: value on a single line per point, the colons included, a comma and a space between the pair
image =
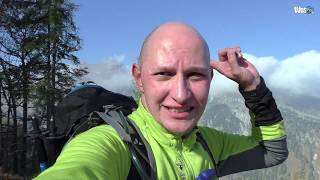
x: 180, y: 129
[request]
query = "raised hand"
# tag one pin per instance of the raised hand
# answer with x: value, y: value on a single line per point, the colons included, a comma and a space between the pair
x: 232, y: 65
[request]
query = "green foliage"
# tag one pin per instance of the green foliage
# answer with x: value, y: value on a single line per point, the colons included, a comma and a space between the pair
x: 38, y: 65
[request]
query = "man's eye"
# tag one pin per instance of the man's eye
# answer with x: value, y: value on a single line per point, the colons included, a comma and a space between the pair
x: 164, y: 74
x: 195, y: 76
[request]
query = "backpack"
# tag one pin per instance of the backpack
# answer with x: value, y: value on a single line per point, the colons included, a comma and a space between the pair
x: 89, y: 105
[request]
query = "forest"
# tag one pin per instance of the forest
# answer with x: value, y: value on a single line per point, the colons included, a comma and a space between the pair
x: 38, y: 66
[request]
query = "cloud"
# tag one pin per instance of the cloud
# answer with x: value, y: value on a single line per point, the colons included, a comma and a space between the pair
x: 299, y: 74
x: 112, y: 73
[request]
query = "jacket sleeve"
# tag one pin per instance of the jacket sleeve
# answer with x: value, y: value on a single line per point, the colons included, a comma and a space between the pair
x: 98, y: 153
x: 265, y: 147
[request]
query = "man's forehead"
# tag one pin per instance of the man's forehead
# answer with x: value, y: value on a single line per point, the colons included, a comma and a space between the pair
x: 170, y: 59
x: 172, y: 36
x: 175, y: 35
x: 186, y: 67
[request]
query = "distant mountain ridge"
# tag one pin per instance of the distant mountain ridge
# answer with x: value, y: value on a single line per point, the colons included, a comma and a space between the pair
x: 227, y: 112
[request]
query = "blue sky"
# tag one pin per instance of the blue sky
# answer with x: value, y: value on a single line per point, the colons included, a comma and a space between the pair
x: 262, y: 28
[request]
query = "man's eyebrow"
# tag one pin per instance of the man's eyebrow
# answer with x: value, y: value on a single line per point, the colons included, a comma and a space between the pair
x: 164, y: 68
x: 199, y: 69
x: 191, y: 69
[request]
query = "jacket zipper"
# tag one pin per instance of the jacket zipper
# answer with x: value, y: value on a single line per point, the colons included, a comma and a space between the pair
x: 185, y: 165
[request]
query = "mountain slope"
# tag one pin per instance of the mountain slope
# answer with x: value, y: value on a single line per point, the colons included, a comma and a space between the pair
x: 227, y: 112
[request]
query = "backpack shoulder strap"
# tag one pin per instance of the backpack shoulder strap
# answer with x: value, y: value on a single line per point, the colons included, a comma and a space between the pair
x: 204, y: 144
x: 140, y: 149
x: 142, y: 157
x: 113, y: 119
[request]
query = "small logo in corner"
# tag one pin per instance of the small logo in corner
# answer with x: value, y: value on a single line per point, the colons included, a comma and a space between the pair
x: 303, y: 10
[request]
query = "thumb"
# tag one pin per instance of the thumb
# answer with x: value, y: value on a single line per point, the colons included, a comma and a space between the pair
x: 215, y: 65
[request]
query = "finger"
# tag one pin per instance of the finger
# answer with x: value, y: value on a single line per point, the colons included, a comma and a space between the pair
x: 238, y: 52
x: 223, y: 54
x: 216, y: 65
x: 233, y: 60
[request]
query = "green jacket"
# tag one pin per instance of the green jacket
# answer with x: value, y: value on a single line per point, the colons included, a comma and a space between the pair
x: 99, y: 153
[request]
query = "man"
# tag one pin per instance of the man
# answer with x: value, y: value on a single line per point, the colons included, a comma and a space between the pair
x: 173, y: 76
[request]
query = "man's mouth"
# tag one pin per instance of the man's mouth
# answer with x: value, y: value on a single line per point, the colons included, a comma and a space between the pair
x: 182, y: 112
x: 179, y: 110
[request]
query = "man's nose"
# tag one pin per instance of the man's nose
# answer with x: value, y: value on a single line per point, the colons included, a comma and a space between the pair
x: 180, y: 90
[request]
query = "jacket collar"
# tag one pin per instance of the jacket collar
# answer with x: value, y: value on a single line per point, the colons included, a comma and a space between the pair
x: 151, y: 128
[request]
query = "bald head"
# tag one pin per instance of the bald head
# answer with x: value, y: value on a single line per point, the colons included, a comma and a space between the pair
x: 172, y: 34
x: 174, y: 76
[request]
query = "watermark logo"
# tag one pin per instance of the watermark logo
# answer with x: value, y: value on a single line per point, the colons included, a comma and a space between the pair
x: 303, y: 10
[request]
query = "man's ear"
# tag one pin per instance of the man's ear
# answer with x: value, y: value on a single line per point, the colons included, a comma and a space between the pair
x: 136, y: 73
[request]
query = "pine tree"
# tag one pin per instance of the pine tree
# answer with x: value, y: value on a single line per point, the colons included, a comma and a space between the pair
x: 38, y: 39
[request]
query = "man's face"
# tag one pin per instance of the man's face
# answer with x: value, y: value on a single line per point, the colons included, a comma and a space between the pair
x: 175, y: 80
